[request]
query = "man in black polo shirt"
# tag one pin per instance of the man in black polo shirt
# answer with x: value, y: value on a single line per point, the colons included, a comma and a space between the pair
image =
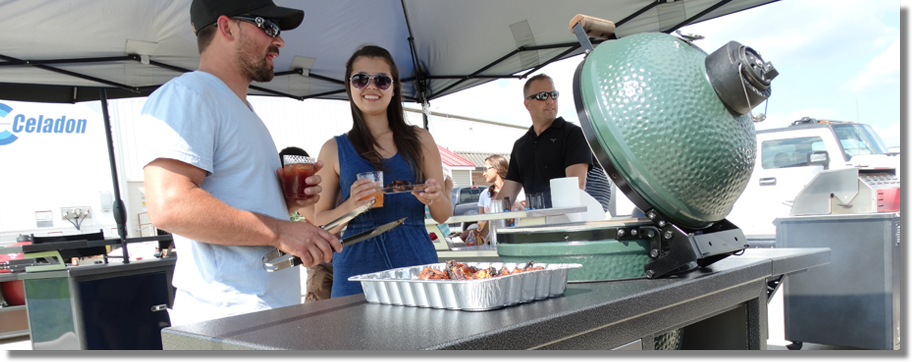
x: 553, y: 148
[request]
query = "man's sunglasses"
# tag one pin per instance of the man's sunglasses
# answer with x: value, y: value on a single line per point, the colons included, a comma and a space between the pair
x: 361, y: 80
x: 269, y: 26
x: 544, y: 95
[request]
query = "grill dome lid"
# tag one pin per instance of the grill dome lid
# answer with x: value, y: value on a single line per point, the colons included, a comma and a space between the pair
x: 657, y: 124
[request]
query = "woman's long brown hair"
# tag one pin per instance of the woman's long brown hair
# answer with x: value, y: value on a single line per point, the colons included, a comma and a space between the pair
x: 404, y: 136
x: 500, y: 165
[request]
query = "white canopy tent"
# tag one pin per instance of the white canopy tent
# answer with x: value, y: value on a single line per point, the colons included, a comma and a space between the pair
x: 63, y: 50
x: 68, y: 51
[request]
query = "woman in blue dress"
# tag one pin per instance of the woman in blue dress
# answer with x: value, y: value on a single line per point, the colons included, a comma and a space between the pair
x: 380, y: 140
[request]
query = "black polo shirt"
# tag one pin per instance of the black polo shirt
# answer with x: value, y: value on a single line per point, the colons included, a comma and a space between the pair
x: 535, y: 160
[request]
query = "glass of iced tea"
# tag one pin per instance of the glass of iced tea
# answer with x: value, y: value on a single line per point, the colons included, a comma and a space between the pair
x: 297, y: 170
x: 377, y: 177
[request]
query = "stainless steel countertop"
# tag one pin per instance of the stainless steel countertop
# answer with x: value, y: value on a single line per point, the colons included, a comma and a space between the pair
x: 617, y: 311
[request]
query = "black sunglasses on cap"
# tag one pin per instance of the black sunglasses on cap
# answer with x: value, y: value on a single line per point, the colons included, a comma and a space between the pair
x: 269, y: 26
x: 361, y: 80
x: 544, y: 95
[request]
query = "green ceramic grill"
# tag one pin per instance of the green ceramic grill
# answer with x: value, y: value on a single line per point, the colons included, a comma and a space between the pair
x: 653, y: 118
x: 608, y: 250
x: 673, y: 128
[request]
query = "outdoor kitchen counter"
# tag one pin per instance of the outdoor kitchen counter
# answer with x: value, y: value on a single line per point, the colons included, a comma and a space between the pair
x: 723, y: 306
x: 111, y: 306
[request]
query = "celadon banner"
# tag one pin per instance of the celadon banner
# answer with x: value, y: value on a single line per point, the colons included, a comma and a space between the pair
x: 15, y: 125
x: 52, y: 156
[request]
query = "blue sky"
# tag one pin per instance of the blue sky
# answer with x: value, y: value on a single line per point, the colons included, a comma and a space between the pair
x: 837, y: 60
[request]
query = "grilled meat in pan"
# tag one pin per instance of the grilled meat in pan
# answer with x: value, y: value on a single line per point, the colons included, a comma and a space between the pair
x: 430, y: 273
x: 400, y: 185
x: 454, y: 270
x: 461, y: 271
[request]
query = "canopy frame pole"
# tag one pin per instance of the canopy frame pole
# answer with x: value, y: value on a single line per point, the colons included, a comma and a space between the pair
x: 474, y: 75
x: 470, y: 76
x: 300, y: 71
x: 69, y: 73
x: 695, y: 17
x: 10, y: 61
x: 120, y: 214
x: 638, y: 13
x: 554, y: 59
x: 421, y: 91
x: 41, y: 64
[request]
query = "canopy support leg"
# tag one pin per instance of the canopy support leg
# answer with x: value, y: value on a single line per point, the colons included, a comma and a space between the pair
x: 120, y: 214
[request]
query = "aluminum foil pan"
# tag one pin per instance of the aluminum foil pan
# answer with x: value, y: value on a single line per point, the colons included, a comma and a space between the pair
x: 402, y: 287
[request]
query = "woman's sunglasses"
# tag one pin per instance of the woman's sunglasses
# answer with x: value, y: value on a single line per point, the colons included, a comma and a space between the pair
x: 271, y: 27
x: 544, y: 95
x: 361, y: 80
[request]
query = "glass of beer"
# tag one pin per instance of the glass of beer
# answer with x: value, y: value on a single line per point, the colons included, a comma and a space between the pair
x: 297, y: 170
x: 377, y: 177
x: 535, y: 201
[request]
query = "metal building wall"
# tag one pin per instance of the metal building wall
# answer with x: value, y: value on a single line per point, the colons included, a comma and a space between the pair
x: 463, y: 134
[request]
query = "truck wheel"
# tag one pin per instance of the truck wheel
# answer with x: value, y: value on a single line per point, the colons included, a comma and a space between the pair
x: 794, y: 346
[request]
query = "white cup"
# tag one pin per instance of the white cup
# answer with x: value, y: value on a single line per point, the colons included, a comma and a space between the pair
x: 565, y: 193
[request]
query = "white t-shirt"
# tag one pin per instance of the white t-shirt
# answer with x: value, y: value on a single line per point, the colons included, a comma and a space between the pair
x: 485, y: 200
x: 197, y: 119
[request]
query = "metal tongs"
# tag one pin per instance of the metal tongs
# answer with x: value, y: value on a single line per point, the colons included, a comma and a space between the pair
x: 278, y: 260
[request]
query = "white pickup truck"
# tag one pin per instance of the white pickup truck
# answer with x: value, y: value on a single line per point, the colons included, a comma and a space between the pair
x: 788, y: 159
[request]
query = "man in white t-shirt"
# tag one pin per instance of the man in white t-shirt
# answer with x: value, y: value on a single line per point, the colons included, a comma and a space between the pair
x: 211, y: 170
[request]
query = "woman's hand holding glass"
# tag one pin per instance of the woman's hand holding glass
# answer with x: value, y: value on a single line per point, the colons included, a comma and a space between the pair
x: 362, y: 191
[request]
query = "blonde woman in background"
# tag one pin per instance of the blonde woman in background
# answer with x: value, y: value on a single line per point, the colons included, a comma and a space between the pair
x: 495, y: 171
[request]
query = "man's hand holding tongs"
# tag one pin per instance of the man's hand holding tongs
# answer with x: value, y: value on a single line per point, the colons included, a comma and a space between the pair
x: 310, y: 243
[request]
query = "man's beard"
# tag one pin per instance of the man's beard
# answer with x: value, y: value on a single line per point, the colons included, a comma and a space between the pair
x: 255, y: 67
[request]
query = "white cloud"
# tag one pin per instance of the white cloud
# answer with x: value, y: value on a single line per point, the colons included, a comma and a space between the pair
x: 890, y: 135
x: 788, y: 30
x: 882, y: 70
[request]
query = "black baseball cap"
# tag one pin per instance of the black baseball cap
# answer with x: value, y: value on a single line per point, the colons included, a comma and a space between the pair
x: 205, y: 12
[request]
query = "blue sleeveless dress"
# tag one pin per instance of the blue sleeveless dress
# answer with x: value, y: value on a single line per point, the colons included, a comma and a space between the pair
x: 406, y: 245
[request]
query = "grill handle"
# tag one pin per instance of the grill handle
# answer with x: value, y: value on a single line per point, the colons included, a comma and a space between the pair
x: 594, y: 27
